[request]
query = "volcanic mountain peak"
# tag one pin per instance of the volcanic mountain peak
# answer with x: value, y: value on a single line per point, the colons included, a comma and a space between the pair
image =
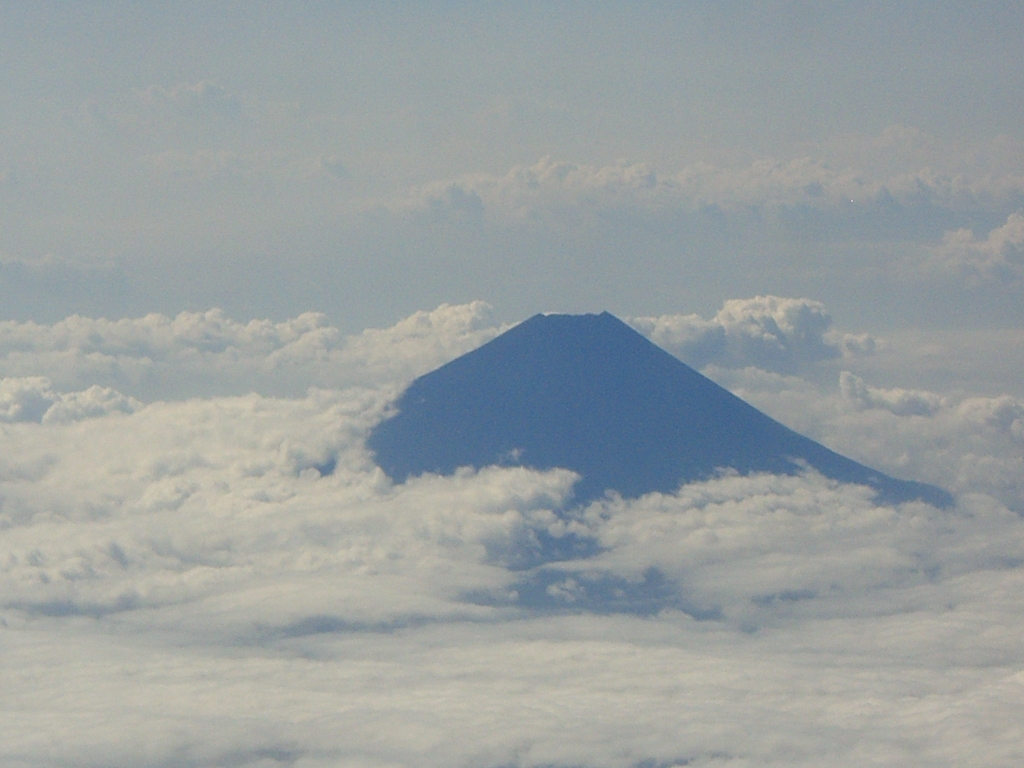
x: 590, y: 394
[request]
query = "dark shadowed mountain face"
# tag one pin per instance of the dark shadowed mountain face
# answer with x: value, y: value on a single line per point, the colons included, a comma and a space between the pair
x: 588, y: 393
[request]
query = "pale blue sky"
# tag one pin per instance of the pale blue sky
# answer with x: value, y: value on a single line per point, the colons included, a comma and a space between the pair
x: 272, y: 159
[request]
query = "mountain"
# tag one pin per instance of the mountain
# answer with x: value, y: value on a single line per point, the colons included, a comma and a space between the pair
x: 588, y: 393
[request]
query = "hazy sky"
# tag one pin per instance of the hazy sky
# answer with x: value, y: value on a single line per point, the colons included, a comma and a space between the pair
x: 271, y: 159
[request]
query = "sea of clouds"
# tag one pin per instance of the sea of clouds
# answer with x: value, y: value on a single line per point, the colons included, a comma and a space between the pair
x: 200, y: 564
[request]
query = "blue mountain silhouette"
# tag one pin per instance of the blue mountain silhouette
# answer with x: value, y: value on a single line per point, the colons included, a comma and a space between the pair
x: 590, y: 394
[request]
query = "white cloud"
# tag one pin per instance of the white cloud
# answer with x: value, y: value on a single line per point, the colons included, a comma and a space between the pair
x: 1000, y: 256
x: 33, y: 399
x: 423, y: 341
x: 901, y: 402
x: 768, y: 332
x: 231, y: 581
x: 198, y: 353
x: 561, y: 190
x: 221, y: 602
x: 753, y: 549
x: 965, y: 444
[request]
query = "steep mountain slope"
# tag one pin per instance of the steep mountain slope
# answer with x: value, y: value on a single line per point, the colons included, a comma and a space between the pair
x: 588, y: 393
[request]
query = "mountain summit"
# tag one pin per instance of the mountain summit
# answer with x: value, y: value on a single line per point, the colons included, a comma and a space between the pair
x: 590, y: 394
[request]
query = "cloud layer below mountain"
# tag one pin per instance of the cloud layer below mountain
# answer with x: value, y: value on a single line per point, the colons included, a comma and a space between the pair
x: 195, y: 574
x: 203, y: 353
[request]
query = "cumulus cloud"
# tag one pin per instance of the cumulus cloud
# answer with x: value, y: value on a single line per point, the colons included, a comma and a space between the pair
x: 557, y: 188
x: 198, y: 353
x: 966, y: 444
x: 33, y: 399
x: 203, y: 353
x: 1000, y: 256
x: 525, y: 191
x: 901, y: 402
x: 975, y: 443
x: 736, y: 546
x: 232, y: 581
x: 768, y: 332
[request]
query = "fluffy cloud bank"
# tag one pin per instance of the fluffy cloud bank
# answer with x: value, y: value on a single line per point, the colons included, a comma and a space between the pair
x: 1000, y: 256
x: 974, y: 444
x: 231, y: 581
x: 204, y: 353
x: 33, y: 399
x: 962, y: 443
x: 197, y: 589
x: 201, y: 353
x: 555, y: 188
x: 767, y: 332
